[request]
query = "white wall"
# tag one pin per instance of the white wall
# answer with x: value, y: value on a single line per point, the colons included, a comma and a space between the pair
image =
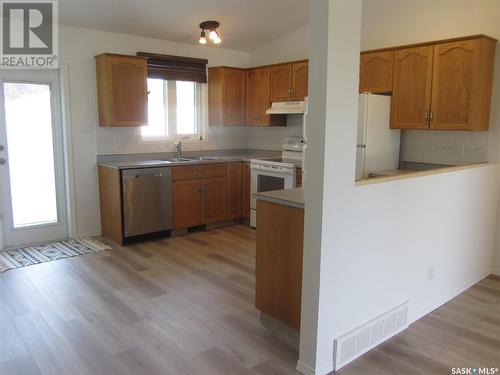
x: 292, y: 46
x: 77, y: 50
x: 378, y: 241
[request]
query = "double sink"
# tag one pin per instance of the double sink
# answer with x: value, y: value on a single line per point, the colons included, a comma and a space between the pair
x: 183, y: 159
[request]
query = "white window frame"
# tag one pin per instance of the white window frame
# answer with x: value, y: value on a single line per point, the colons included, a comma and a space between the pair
x: 170, y: 92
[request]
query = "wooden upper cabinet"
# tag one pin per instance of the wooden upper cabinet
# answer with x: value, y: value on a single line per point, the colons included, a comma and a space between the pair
x: 289, y: 81
x: 412, y: 86
x: 258, y: 99
x: 252, y: 98
x: 375, y: 72
x: 214, y: 199
x: 122, y: 90
x: 300, y: 80
x: 281, y: 82
x: 234, y: 192
x: 461, y: 85
x: 227, y: 96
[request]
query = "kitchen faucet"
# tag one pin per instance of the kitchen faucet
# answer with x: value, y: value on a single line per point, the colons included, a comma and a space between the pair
x: 178, y: 150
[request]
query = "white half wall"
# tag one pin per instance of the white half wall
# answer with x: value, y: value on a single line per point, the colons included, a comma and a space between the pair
x: 378, y: 243
x: 77, y: 50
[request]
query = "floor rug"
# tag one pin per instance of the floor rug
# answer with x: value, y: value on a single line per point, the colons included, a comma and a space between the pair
x: 47, y: 252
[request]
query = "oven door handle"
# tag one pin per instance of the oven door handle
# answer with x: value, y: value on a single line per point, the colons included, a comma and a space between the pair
x: 273, y: 170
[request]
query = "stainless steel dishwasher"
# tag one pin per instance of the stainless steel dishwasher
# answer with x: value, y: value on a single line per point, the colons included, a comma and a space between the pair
x: 147, y: 200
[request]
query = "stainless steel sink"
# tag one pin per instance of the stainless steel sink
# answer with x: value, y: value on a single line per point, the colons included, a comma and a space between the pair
x: 183, y: 159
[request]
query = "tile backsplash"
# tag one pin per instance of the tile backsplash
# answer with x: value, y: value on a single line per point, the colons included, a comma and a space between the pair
x: 444, y: 147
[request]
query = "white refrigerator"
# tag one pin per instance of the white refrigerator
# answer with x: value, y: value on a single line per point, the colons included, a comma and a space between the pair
x: 377, y: 146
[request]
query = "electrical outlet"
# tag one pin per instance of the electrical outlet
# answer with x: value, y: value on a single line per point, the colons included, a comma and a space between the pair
x: 430, y: 274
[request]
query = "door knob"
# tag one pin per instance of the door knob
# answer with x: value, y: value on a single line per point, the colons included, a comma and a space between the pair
x: 2, y: 161
x: 1, y: 148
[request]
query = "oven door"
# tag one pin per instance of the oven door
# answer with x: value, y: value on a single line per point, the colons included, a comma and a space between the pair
x: 269, y: 179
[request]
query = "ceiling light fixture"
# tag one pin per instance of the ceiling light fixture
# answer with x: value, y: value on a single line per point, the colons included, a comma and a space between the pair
x: 213, y: 35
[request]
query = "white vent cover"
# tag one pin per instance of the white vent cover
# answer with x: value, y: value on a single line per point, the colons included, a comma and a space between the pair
x: 360, y: 340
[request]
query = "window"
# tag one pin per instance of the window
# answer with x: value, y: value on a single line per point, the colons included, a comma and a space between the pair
x: 174, y: 111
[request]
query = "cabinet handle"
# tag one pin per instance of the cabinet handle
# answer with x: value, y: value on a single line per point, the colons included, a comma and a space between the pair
x: 199, y: 187
x: 199, y: 169
x: 426, y: 117
x: 431, y: 116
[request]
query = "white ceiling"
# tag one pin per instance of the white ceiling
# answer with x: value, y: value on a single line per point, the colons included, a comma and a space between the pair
x: 245, y: 24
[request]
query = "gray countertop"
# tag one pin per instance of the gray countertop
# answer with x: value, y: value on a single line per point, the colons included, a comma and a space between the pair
x: 131, y: 161
x: 289, y: 197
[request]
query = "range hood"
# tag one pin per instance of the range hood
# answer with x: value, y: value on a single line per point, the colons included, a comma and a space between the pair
x: 285, y: 108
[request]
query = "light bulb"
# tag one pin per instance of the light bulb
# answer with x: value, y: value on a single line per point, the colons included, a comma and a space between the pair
x: 213, y: 35
x: 203, y: 39
x: 217, y: 40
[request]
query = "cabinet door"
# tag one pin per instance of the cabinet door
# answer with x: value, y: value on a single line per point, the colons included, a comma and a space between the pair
x: 245, y: 191
x: 300, y: 79
x: 234, y: 97
x: 453, y: 85
x: 375, y: 72
x: 234, y: 190
x: 252, y: 97
x: 411, y: 98
x: 127, y: 91
x: 264, y: 90
x: 186, y: 203
x: 214, y: 199
x: 281, y: 82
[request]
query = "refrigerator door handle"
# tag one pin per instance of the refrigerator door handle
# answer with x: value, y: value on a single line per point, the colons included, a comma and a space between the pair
x: 361, y: 146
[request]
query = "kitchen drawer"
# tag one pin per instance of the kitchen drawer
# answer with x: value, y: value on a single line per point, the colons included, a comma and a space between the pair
x: 187, y: 172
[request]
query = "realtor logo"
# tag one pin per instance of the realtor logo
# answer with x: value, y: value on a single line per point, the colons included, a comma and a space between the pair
x: 29, y: 34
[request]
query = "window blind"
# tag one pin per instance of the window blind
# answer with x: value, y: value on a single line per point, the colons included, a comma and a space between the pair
x: 176, y: 68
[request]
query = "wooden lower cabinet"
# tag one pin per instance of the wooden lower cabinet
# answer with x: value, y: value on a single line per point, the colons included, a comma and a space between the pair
x: 213, y: 200
x: 278, y: 264
x: 245, y: 191
x: 234, y: 190
x: 210, y: 193
x: 187, y: 203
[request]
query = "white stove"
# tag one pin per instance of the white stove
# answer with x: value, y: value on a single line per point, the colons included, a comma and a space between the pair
x: 276, y: 173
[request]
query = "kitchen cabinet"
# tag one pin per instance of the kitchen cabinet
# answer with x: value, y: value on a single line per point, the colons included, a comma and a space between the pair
x: 199, y: 194
x: 214, y: 199
x: 278, y: 263
x: 245, y: 191
x: 110, y: 202
x: 300, y: 80
x: 462, y: 84
x: 411, y: 97
x: 226, y: 96
x: 234, y: 190
x: 444, y: 85
x: 289, y: 81
x: 186, y: 203
x: 258, y: 99
x: 375, y: 72
x: 122, y: 90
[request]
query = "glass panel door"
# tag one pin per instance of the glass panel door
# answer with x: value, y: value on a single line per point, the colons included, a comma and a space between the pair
x: 33, y: 207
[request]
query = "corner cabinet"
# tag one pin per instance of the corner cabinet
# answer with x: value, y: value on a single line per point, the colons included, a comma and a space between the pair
x: 258, y: 99
x: 226, y: 96
x: 122, y: 90
x: 445, y: 85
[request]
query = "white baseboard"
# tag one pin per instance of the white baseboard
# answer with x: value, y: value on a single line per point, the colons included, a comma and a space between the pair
x: 305, y: 369
x: 437, y: 302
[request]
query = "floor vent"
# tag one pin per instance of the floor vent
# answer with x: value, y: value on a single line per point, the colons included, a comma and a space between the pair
x: 360, y: 340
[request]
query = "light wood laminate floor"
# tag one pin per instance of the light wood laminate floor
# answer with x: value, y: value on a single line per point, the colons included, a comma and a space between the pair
x: 184, y: 305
